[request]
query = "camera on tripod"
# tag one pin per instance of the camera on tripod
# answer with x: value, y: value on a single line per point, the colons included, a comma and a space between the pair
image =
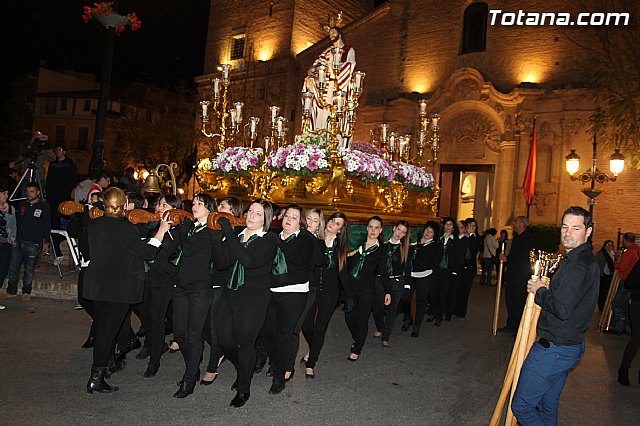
x: 35, y: 146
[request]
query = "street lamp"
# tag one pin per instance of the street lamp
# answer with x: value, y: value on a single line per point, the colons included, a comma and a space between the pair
x: 593, y: 175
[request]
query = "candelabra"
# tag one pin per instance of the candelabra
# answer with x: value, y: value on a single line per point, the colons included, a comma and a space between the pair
x: 222, y: 124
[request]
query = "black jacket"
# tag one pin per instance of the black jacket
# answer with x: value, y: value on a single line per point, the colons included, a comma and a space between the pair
x: 197, y: 257
x: 116, y: 271
x: 298, y: 253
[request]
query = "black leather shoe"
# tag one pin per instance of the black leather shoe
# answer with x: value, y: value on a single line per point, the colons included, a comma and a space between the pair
x: 240, y: 399
x: 144, y: 353
x: 623, y: 376
x: 416, y: 330
x: 407, y: 323
x: 260, y: 362
x: 303, y: 361
x: 204, y: 382
x: 185, y: 390
x: 133, y: 344
x: 119, y: 362
x: 152, y: 370
x: 96, y: 382
x: 277, y: 386
x: 89, y: 343
x: 234, y: 386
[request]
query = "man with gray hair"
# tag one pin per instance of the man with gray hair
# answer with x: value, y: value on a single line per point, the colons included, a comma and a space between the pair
x: 518, y: 273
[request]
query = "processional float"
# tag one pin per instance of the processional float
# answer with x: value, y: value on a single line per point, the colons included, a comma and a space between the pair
x: 386, y: 176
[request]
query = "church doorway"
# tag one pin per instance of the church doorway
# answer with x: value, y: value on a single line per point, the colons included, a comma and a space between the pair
x: 466, y: 190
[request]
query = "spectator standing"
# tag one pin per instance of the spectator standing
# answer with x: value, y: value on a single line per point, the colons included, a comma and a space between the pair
x: 620, y: 304
x: 518, y: 272
x: 489, y: 255
x: 61, y: 178
x: 7, y: 232
x: 34, y: 225
x: 605, y: 258
x: 129, y: 180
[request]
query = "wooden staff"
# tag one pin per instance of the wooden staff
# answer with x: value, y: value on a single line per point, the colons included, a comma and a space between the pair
x: 134, y: 216
x: 496, y: 308
x: 607, y: 310
x: 212, y: 220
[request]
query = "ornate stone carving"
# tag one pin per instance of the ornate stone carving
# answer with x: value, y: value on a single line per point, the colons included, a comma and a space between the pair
x: 467, y: 89
x: 467, y: 134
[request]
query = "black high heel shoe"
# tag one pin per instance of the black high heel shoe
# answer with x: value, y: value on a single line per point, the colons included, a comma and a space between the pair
x: 152, y: 370
x: 204, y: 382
x: 185, y: 390
x: 89, y: 343
x: 240, y: 399
x: 416, y: 330
x: 171, y: 350
x: 310, y: 376
x: 407, y: 323
x: 304, y: 361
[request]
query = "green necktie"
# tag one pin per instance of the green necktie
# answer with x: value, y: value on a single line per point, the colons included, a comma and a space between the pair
x: 330, y: 262
x: 355, y: 272
x: 391, y: 250
x: 444, y: 262
x: 280, y: 262
x: 237, y: 275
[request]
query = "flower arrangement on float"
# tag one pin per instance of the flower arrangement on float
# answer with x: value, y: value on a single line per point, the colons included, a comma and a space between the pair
x: 368, y: 167
x: 105, y: 9
x: 414, y: 178
x: 236, y: 160
x: 299, y: 159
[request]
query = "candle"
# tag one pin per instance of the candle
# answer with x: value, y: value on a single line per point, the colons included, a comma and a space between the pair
x: 392, y: 142
x: 225, y: 73
x: 338, y: 100
x: 238, y: 109
x: 307, y: 98
x: 274, y: 112
x: 434, y: 121
x: 322, y: 73
x: 422, y: 135
x: 337, y: 56
x: 279, y: 124
x: 383, y: 129
x: 232, y: 115
x: 253, y: 124
x: 205, y: 112
x: 358, y: 76
x: 423, y: 106
x: 267, y: 139
x: 216, y: 87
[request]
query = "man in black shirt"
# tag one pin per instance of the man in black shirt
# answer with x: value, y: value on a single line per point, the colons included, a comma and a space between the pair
x: 567, y: 303
x: 34, y: 226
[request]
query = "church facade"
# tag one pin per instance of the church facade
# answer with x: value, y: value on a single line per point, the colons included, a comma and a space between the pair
x: 487, y: 78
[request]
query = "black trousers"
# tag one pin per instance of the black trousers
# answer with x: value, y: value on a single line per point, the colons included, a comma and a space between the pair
x: 421, y: 286
x: 438, y: 290
x: 241, y: 315
x: 314, y: 327
x: 385, y: 316
x: 311, y: 297
x: 87, y: 305
x: 631, y: 349
x: 358, y: 318
x: 454, y: 282
x: 210, y: 333
x: 109, y: 316
x: 463, y: 290
x: 283, y: 314
x: 190, y: 309
x: 154, y: 312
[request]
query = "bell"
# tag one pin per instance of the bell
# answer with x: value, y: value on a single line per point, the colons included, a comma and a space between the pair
x: 152, y: 183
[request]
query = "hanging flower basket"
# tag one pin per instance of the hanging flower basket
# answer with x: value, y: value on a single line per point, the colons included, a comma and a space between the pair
x: 103, y: 13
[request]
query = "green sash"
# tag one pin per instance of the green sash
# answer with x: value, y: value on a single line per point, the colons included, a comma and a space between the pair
x: 237, y: 275
x: 355, y: 272
x: 280, y: 262
x: 330, y: 262
x: 391, y: 250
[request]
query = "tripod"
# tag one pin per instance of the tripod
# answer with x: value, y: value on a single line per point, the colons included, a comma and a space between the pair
x: 29, y: 175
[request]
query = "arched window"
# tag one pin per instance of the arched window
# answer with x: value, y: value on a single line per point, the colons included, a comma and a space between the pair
x: 474, y: 29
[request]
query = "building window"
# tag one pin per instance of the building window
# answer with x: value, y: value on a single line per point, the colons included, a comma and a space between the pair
x: 60, y: 135
x: 87, y: 105
x: 474, y: 30
x: 237, y: 47
x: 48, y: 106
x: 83, y: 138
x: 63, y: 104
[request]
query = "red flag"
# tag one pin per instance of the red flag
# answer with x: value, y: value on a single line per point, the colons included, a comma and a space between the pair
x: 529, y: 183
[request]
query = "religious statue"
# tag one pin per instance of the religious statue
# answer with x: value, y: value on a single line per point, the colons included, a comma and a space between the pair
x: 343, y: 79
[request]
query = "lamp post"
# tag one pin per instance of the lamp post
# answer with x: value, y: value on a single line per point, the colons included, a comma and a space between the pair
x: 593, y: 175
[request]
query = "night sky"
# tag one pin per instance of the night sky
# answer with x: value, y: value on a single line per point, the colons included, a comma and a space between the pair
x: 168, y: 48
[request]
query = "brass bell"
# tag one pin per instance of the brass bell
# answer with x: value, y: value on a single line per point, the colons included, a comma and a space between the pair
x: 152, y: 183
